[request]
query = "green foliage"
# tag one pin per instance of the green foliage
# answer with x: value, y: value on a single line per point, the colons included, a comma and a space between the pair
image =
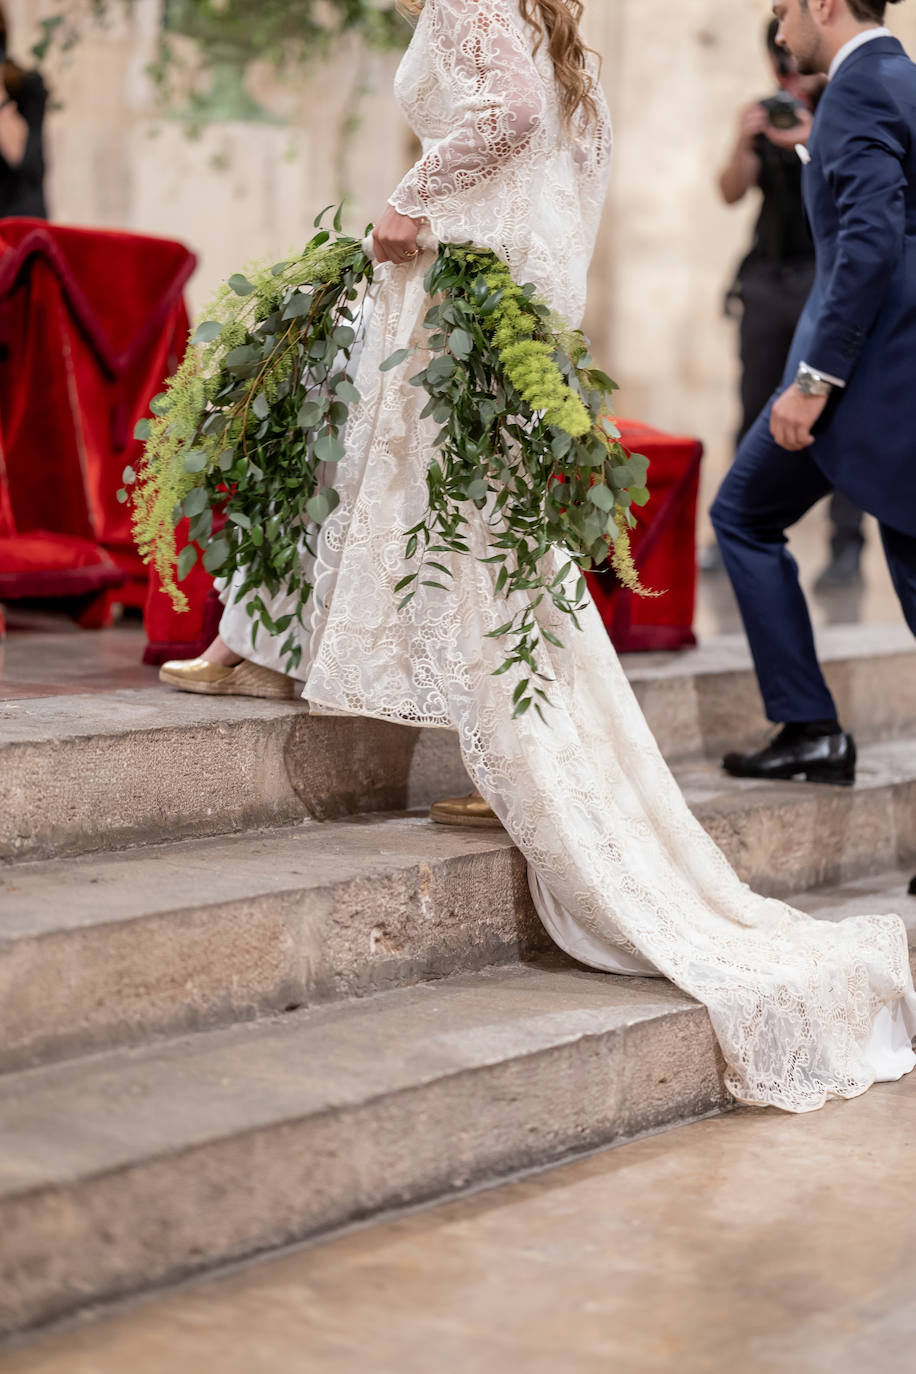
x: 251, y: 427
x: 288, y: 33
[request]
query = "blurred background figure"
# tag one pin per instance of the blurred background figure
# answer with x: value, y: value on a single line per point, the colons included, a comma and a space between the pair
x: 23, y: 99
x: 776, y: 276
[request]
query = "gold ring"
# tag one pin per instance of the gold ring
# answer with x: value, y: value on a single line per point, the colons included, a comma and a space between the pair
x: 414, y: 254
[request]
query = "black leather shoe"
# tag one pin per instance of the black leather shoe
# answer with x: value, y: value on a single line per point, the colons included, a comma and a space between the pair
x: 826, y: 758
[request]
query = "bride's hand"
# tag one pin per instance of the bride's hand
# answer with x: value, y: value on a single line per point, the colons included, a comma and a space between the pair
x: 395, y: 237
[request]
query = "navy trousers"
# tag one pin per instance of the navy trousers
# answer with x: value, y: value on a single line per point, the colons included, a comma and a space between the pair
x: 765, y: 492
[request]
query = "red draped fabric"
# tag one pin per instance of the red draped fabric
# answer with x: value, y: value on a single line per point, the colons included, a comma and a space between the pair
x: 664, y: 548
x: 91, y: 324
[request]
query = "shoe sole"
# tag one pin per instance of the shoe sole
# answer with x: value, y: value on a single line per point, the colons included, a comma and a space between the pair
x: 802, y: 775
x: 245, y: 685
x: 468, y: 822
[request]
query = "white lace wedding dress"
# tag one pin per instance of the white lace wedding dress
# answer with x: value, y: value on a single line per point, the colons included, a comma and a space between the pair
x: 624, y: 877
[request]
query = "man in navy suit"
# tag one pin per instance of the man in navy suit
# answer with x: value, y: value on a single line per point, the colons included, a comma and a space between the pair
x: 845, y: 417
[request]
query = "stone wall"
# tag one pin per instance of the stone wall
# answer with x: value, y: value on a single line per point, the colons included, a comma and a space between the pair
x: 675, y: 71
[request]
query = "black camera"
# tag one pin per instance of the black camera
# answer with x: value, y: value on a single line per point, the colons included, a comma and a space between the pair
x: 782, y: 110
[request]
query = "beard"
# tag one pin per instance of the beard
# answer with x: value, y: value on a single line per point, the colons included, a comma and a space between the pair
x: 809, y: 51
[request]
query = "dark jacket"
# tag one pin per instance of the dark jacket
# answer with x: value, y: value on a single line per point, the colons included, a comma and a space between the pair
x: 859, y: 324
x: 22, y: 185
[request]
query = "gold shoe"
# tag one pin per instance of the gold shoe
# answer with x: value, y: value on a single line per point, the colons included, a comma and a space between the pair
x: 213, y: 679
x: 471, y: 810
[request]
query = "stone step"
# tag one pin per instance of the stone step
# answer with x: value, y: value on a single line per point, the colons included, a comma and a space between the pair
x: 107, y: 770
x: 703, y: 702
x: 787, y: 837
x: 104, y: 950
x: 135, y: 1167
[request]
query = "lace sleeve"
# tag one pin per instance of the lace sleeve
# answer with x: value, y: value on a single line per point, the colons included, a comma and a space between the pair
x: 499, y: 97
x: 594, y: 138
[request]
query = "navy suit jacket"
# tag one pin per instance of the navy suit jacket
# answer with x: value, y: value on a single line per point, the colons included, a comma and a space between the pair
x: 859, y: 324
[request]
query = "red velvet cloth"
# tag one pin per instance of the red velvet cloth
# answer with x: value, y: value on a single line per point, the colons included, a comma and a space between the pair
x: 664, y: 548
x: 184, y: 634
x: 91, y: 323
x: 45, y: 564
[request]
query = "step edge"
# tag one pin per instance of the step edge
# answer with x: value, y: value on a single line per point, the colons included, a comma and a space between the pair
x: 684, y: 1006
x: 355, y: 1195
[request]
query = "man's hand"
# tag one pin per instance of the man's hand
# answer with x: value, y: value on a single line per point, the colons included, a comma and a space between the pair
x: 793, y: 417
x: 395, y: 237
x: 788, y: 138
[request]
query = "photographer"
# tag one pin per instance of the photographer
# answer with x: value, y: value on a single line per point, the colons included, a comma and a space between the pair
x: 776, y: 276
x: 23, y: 99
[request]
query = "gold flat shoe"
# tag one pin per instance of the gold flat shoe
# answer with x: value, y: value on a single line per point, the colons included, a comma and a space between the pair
x: 213, y: 679
x: 471, y: 810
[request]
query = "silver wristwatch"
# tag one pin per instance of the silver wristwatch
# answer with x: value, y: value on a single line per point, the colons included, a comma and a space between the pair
x: 811, y: 383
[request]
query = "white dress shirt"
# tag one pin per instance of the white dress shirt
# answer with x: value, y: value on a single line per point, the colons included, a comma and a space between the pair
x: 865, y: 37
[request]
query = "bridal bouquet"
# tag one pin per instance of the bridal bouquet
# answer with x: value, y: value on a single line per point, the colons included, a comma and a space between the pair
x: 252, y: 423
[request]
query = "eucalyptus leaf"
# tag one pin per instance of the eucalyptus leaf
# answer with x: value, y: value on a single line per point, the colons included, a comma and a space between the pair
x: 216, y: 555
x: 461, y: 343
x: 186, y: 560
x: 396, y: 359
x: 195, y: 501
x: 329, y: 449
x: 319, y: 508
x: 244, y: 353
x: 297, y: 306
x: 207, y: 332
x: 201, y: 527
x: 240, y: 284
x: 347, y: 391
x: 311, y: 413
x: 602, y: 497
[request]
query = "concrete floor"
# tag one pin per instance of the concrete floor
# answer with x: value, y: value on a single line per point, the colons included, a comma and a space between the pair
x: 758, y: 1242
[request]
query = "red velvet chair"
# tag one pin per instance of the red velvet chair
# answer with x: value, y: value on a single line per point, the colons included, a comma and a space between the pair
x: 91, y: 323
x: 664, y: 548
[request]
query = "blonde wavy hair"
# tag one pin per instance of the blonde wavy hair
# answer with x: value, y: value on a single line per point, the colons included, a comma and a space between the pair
x: 556, y: 22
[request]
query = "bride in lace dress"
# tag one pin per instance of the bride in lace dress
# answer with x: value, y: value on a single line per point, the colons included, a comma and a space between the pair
x: 516, y: 150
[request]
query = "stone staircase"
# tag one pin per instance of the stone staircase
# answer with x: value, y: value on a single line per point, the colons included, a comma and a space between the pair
x: 246, y: 997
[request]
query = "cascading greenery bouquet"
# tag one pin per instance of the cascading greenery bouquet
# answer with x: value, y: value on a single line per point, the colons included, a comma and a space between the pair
x: 250, y: 428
